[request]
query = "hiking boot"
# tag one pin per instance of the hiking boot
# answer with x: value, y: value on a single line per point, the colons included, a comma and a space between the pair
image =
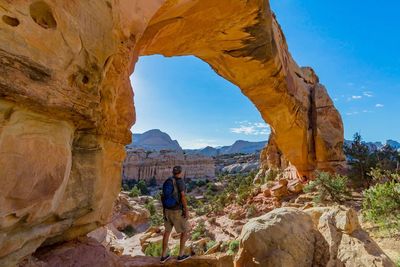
x: 164, y: 259
x: 183, y: 258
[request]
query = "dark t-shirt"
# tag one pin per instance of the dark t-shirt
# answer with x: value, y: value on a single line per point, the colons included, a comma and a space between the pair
x: 180, y: 184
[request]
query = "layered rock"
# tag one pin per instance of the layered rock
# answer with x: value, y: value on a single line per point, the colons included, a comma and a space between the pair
x: 144, y: 165
x: 66, y: 101
x: 237, y: 163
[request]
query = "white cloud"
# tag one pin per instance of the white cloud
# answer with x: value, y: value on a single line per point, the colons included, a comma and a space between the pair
x: 368, y: 94
x: 251, y: 128
x: 356, y: 97
x: 352, y: 113
x: 379, y: 105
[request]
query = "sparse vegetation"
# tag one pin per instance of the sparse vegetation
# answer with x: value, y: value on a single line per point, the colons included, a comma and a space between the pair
x: 251, y: 211
x: 199, y: 231
x: 142, y: 187
x: 381, y: 202
x: 153, y: 249
x: 210, y: 244
x: 328, y: 187
x: 233, y: 247
x: 135, y: 192
x: 127, y: 185
x: 363, y: 159
x: 156, y: 217
x: 175, y: 251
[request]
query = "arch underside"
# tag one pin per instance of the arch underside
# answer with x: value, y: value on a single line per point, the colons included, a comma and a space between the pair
x: 66, y: 104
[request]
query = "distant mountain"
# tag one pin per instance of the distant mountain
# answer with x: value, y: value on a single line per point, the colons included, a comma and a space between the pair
x: 378, y: 145
x: 240, y: 146
x: 154, y: 140
x: 393, y: 144
x: 244, y: 147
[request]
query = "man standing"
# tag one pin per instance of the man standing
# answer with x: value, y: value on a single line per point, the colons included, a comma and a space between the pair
x: 176, y: 213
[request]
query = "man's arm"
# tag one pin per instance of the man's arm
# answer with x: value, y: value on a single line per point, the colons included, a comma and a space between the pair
x: 184, y: 204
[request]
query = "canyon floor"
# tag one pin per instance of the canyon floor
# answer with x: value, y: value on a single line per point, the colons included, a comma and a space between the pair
x: 219, y: 210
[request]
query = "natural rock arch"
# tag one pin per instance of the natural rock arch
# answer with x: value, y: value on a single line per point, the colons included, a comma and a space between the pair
x: 66, y: 101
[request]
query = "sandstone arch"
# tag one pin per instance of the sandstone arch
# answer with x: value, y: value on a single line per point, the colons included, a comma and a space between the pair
x: 66, y: 108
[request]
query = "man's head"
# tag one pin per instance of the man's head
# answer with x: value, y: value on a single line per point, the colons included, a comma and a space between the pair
x: 177, y: 171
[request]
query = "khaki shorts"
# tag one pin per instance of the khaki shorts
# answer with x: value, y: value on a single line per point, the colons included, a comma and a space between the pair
x: 174, y: 218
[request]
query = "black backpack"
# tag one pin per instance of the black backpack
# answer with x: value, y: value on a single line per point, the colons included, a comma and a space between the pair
x: 170, y: 196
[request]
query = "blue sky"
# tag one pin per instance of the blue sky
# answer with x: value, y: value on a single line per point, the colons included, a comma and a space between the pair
x: 352, y: 45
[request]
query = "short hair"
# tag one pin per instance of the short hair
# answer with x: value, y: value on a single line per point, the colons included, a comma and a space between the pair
x: 176, y: 170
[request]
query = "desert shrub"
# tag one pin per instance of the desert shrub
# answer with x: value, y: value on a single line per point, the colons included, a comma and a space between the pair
x: 175, y: 251
x: 129, y: 231
x: 381, y: 175
x: 233, y: 247
x: 150, y: 207
x: 328, y: 187
x: 199, y: 231
x: 210, y: 244
x: 271, y: 175
x: 153, y: 181
x: 156, y: 217
x: 153, y: 250
x: 398, y: 263
x: 251, y: 211
x: 142, y: 187
x: 135, y: 192
x: 381, y: 205
x: 127, y: 185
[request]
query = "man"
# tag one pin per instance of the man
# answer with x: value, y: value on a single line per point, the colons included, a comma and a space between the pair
x: 176, y: 213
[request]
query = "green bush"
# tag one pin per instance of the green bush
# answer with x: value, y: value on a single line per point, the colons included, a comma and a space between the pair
x: 175, y: 251
x: 398, y: 263
x: 251, y: 211
x: 135, y: 192
x: 233, y: 247
x: 153, y: 250
x: 328, y: 187
x: 199, y: 231
x: 381, y: 205
x: 142, y: 187
x: 210, y: 244
x: 157, y: 219
x: 153, y: 181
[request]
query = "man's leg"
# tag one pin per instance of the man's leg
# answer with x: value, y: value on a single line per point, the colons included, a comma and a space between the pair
x: 184, y: 237
x: 165, y: 243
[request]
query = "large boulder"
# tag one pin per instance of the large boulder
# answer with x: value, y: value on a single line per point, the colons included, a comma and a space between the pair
x: 282, y: 237
x: 318, y: 237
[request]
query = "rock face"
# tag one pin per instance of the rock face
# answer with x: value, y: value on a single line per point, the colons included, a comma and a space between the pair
x: 140, y: 164
x: 237, y: 163
x: 66, y: 101
x: 318, y: 237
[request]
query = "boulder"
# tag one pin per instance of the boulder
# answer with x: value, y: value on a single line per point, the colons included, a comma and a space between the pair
x: 329, y: 236
x: 282, y: 237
